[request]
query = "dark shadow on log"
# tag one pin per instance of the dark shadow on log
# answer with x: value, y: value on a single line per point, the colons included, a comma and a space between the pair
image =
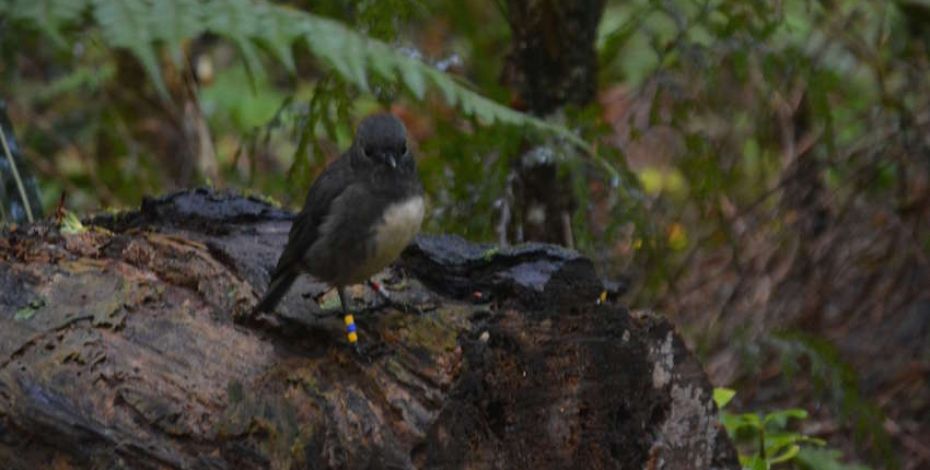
x: 120, y: 348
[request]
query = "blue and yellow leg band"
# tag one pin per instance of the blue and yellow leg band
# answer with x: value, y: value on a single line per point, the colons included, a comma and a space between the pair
x: 351, y: 335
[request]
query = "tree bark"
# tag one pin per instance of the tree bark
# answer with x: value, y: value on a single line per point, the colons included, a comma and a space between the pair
x: 130, y: 345
x: 552, y: 63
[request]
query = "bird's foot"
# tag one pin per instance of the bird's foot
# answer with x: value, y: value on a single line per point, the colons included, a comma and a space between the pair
x: 369, y: 351
x: 388, y: 301
x: 359, y: 353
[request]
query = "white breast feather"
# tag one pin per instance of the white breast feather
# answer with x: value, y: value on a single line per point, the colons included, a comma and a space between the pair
x: 400, y: 223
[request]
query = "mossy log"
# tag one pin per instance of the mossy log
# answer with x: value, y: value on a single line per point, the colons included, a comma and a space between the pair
x: 130, y: 344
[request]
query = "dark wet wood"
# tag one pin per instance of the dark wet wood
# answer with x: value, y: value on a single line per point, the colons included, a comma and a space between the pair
x: 130, y: 345
x: 552, y: 60
x: 552, y: 64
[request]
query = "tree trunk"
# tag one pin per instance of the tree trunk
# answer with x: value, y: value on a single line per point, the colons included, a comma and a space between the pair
x: 552, y: 63
x: 130, y: 345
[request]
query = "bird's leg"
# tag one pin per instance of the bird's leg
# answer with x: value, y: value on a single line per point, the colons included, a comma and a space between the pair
x: 388, y: 301
x: 351, y: 333
x: 380, y: 290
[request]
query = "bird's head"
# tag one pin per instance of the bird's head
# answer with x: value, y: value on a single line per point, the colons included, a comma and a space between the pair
x: 382, y: 140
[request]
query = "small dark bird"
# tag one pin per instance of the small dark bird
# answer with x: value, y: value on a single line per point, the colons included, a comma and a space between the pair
x: 360, y: 213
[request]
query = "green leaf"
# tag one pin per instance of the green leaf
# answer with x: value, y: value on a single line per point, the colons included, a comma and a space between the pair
x: 24, y: 313
x: 71, y: 224
x: 238, y: 21
x: 91, y: 77
x: 123, y: 23
x: 253, y: 65
x: 445, y: 86
x: 735, y: 422
x: 327, y: 39
x: 754, y: 463
x: 780, y: 418
x: 173, y: 22
x: 784, y: 447
x: 48, y: 15
x: 278, y: 35
x: 330, y: 302
x: 380, y: 61
x: 722, y: 396
x: 352, y: 56
x: 141, y: 25
x: 356, y: 59
x: 413, y: 78
x: 29, y: 311
x: 785, y: 456
x: 825, y: 459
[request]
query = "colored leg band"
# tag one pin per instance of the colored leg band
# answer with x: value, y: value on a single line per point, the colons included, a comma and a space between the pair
x: 351, y: 335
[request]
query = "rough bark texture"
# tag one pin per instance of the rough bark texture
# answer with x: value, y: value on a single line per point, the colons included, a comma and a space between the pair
x: 131, y: 346
x: 552, y: 60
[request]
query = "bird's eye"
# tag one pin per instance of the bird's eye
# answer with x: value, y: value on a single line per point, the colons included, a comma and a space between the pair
x: 367, y: 151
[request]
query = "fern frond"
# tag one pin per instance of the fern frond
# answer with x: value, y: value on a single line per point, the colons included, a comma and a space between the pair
x: 278, y: 35
x: 47, y: 15
x: 353, y: 56
x: 341, y: 49
x: 125, y: 23
x: 173, y: 22
x: 239, y: 22
x: 255, y: 26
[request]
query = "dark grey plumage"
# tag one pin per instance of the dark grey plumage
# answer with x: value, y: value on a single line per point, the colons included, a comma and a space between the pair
x: 358, y: 215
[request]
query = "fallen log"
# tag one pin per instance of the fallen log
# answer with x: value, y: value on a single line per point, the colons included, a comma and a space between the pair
x: 130, y: 344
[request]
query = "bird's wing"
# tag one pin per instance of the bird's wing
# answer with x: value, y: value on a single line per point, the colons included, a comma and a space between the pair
x: 305, y: 230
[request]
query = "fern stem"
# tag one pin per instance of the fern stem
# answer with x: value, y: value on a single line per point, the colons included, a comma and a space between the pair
x: 19, y: 181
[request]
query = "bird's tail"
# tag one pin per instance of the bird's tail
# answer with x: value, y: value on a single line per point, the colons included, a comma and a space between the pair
x: 276, y: 290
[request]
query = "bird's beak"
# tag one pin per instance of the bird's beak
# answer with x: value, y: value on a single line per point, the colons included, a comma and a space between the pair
x: 392, y: 161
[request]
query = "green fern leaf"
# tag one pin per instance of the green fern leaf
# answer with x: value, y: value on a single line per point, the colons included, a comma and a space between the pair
x: 353, y: 56
x: 173, y: 22
x: 124, y: 23
x: 329, y: 41
x: 278, y: 35
x: 357, y: 58
x: 256, y: 25
x: 253, y: 64
x: 237, y: 20
x: 381, y: 63
x: 48, y: 15
x: 445, y: 86
x: 413, y: 77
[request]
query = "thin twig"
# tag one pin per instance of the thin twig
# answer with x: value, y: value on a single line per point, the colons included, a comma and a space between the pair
x: 19, y: 182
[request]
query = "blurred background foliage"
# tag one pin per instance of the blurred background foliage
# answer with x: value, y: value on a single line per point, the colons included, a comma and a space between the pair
x: 758, y: 170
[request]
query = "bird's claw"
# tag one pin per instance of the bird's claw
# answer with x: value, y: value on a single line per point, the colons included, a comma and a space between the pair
x: 385, y: 303
x: 388, y: 301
